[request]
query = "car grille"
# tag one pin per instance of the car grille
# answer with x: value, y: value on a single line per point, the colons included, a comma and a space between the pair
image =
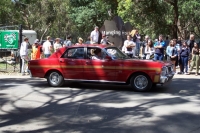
x: 169, y: 69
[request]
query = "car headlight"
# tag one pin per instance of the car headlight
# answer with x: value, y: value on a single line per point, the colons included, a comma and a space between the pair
x: 164, y: 71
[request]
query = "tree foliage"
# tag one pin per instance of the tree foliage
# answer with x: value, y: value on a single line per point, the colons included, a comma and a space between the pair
x: 59, y: 18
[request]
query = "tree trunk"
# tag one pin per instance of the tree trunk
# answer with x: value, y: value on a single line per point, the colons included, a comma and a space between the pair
x: 176, y: 15
x: 45, y: 31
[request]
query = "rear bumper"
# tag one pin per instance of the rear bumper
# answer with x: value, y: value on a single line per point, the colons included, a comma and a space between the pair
x: 167, y: 78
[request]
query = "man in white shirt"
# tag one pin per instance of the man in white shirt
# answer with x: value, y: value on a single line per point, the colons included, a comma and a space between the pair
x: 94, y: 36
x: 24, y: 55
x: 129, y: 47
x: 47, y: 47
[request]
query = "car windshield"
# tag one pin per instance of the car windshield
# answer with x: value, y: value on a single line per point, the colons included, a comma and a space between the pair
x: 115, y: 53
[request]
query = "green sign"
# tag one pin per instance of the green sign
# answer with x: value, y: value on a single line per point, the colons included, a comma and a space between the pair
x: 9, y: 39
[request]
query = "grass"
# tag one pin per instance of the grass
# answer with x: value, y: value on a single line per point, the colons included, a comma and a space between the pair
x: 8, y: 67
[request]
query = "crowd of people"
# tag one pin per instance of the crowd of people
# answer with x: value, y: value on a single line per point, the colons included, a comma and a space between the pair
x: 182, y: 54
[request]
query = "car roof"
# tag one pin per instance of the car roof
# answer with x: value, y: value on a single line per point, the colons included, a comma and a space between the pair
x: 63, y: 49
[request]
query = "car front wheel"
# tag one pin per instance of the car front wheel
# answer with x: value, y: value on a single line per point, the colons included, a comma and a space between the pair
x: 55, y: 79
x: 141, y: 82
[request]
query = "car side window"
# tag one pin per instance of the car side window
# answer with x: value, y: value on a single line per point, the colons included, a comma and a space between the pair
x: 91, y: 53
x: 74, y: 53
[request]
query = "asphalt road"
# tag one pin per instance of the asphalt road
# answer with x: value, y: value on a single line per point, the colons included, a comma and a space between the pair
x: 29, y: 105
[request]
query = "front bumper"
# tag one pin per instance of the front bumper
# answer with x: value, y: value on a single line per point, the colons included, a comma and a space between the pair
x: 166, y: 78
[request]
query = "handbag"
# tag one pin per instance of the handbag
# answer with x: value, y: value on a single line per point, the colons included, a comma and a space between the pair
x: 151, y: 56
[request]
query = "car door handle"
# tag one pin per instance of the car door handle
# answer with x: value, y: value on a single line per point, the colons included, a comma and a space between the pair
x: 87, y: 62
x: 62, y: 61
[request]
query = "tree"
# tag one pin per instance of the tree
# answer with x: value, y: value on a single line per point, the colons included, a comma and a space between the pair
x: 169, y: 17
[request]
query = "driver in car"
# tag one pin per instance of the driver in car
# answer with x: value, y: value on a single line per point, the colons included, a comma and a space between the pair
x: 97, y: 54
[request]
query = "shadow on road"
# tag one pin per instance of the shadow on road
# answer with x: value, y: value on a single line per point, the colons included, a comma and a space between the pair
x: 100, y: 108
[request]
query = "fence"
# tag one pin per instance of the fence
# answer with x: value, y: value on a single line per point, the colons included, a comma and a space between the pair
x: 9, y: 61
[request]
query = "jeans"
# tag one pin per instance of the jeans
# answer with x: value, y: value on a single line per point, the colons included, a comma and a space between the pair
x: 184, y: 61
x: 47, y: 55
x: 158, y: 57
x: 137, y: 50
x: 25, y: 59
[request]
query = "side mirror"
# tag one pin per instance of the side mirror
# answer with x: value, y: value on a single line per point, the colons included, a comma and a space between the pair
x: 108, y: 57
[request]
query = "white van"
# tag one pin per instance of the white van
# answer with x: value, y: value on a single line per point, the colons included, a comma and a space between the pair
x: 31, y: 34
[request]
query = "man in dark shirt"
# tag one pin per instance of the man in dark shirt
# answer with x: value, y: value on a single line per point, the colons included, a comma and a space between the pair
x: 159, y: 49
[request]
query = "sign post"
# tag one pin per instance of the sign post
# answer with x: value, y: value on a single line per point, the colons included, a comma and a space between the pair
x: 20, y: 42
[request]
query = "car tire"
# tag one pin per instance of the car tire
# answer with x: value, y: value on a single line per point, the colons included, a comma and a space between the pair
x: 55, y: 79
x: 140, y: 82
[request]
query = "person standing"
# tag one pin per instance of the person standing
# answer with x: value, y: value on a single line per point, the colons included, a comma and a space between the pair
x: 129, y: 46
x: 88, y: 40
x: 184, y: 55
x: 190, y: 44
x: 104, y: 40
x: 80, y: 41
x: 94, y: 36
x: 24, y: 55
x: 57, y: 44
x: 145, y: 43
x: 178, y: 47
x: 149, y: 50
x: 68, y: 41
x: 195, y: 59
x: 172, y: 53
x: 136, y: 39
x: 36, y: 50
x: 47, y: 47
x: 159, y: 49
x: 179, y: 41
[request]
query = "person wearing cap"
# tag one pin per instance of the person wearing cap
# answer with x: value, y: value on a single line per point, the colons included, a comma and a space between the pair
x: 104, y: 40
x: 57, y: 44
x: 24, y: 55
x: 94, y: 36
x: 47, y: 47
x: 80, y: 41
x: 36, y: 50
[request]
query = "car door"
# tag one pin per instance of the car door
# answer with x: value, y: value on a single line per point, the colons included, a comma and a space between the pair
x: 72, y: 63
x: 99, y: 70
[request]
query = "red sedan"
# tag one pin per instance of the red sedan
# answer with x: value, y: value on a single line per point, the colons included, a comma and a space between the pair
x: 99, y: 63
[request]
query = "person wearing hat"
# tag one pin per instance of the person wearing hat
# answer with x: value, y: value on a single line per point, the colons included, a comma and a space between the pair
x: 80, y: 41
x: 94, y: 36
x: 57, y: 44
x: 36, y: 50
x: 24, y: 55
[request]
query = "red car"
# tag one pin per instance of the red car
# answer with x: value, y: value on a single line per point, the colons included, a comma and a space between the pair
x: 78, y: 63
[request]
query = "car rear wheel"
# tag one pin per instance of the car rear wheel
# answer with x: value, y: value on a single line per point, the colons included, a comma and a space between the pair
x: 141, y: 82
x: 55, y: 79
